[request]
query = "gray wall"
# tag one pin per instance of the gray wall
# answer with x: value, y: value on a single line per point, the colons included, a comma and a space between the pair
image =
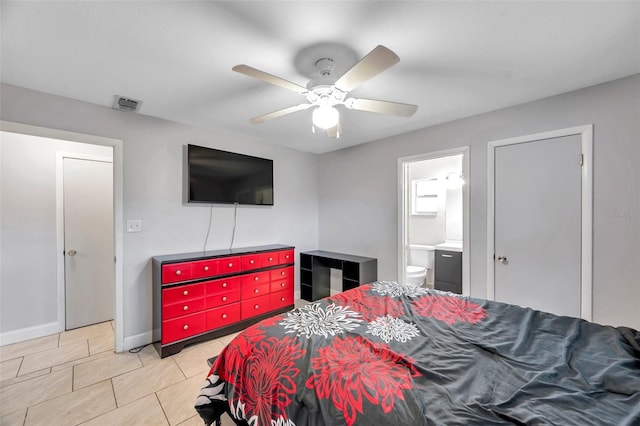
x: 361, y: 217
x: 153, y: 192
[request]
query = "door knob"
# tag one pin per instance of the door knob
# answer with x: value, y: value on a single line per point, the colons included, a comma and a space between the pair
x: 502, y: 258
x: 72, y: 252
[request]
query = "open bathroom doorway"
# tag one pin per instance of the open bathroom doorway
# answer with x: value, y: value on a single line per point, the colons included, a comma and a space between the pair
x: 433, y: 213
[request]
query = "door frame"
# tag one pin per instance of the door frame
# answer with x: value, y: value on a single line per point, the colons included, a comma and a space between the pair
x: 118, y: 212
x: 586, y: 274
x: 60, y: 231
x: 404, y: 207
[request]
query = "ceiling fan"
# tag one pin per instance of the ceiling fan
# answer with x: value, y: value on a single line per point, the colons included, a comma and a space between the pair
x: 325, y: 93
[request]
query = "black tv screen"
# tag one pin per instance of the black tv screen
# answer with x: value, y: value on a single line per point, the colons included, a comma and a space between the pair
x: 221, y: 177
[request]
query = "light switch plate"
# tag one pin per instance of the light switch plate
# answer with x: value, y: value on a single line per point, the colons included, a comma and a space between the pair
x: 134, y: 225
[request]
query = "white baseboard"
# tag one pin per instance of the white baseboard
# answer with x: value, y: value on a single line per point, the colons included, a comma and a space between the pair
x: 28, y: 333
x: 138, y: 340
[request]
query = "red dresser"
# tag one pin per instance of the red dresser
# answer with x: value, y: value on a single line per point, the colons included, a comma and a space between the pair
x: 202, y: 296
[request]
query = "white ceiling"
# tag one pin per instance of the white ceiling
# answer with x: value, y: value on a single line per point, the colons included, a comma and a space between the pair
x: 457, y: 59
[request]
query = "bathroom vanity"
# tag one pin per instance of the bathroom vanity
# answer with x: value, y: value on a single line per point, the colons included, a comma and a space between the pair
x: 448, y: 267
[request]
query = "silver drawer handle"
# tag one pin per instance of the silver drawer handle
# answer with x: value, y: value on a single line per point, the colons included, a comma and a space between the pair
x: 186, y: 327
x: 447, y: 255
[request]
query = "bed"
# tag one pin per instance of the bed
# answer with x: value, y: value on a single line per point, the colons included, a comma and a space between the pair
x: 392, y: 354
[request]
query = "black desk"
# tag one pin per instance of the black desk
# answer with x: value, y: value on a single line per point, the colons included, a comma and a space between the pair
x: 315, y: 272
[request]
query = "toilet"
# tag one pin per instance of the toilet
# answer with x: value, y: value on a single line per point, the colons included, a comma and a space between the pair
x: 421, y: 258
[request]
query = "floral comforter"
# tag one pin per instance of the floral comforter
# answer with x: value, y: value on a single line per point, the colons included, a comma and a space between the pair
x: 392, y: 354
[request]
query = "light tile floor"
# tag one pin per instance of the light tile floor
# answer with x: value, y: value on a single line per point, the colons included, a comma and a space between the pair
x: 76, y: 378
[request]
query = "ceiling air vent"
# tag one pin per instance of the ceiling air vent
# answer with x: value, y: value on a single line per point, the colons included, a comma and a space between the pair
x: 126, y: 104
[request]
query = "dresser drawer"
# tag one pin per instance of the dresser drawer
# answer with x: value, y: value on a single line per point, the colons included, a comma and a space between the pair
x: 204, y: 268
x: 183, y: 327
x: 281, y: 299
x: 251, y: 261
x: 223, y: 298
x: 255, y: 279
x: 222, y: 316
x: 285, y: 256
x: 282, y: 284
x: 278, y: 274
x: 175, y: 272
x: 256, y: 306
x: 182, y: 293
x: 223, y: 285
x: 254, y: 290
x: 229, y: 265
x: 179, y: 309
x: 270, y: 259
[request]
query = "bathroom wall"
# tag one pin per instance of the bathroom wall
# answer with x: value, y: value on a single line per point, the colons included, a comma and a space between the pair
x: 447, y: 223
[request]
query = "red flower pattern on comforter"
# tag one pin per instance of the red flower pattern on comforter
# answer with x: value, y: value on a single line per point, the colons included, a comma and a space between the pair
x: 369, y: 307
x: 353, y: 368
x: 448, y: 309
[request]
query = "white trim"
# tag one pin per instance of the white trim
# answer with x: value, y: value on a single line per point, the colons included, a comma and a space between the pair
x: 28, y: 333
x: 60, y: 276
x: 586, y: 275
x: 118, y: 186
x: 137, y: 340
x: 403, y: 208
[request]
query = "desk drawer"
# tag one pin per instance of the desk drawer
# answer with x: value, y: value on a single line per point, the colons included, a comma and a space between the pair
x: 251, y: 261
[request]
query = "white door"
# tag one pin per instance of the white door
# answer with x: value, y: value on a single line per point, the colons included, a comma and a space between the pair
x: 537, y: 224
x: 88, y: 240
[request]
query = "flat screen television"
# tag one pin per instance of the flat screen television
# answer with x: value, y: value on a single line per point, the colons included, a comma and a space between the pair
x: 222, y: 177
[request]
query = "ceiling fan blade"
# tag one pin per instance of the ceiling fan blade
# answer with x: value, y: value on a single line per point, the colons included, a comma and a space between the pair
x: 280, y: 113
x: 378, y: 60
x: 382, y: 107
x: 256, y: 73
x: 335, y: 131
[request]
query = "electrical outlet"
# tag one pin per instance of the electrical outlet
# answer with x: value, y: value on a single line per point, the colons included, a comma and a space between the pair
x: 134, y: 225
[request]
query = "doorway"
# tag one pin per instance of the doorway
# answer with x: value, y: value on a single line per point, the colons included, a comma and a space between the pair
x: 433, y: 212
x: 539, y: 221
x: 88, y: 239
x: 117, y: 147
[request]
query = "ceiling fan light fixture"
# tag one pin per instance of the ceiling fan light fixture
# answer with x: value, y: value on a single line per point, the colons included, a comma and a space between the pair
x: 325, y: 117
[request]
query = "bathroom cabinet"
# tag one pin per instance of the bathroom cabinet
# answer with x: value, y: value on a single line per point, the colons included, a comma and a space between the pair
x: 448, y: 271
